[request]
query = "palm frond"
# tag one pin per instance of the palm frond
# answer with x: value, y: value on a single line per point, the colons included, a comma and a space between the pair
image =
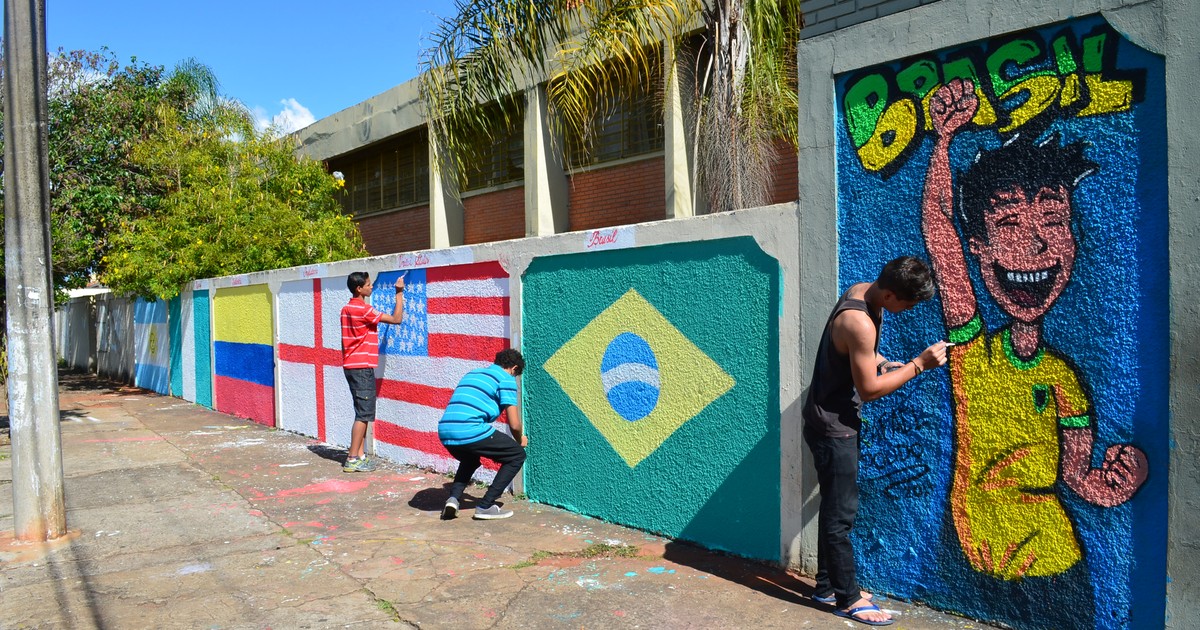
x: 592, y: 53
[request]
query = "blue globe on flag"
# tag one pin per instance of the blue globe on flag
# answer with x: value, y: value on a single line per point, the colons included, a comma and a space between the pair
x: 629, y: 372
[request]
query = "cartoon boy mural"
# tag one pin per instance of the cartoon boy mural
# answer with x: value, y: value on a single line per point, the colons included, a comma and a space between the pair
x: 1023, y: 418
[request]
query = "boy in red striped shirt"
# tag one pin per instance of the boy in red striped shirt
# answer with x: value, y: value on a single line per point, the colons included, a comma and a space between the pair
x: 360, y: 357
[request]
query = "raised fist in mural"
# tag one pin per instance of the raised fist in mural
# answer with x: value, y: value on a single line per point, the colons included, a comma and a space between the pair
x: 952, y: 106
x: 1116, y: 480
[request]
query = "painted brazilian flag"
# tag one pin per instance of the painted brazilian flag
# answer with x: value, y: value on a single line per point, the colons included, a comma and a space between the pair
x: 651, y: 390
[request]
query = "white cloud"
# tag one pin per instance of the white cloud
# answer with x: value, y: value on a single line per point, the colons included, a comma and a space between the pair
x: 292, y: 117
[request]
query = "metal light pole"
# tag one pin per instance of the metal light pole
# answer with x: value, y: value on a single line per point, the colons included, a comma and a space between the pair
x: 38, y: 510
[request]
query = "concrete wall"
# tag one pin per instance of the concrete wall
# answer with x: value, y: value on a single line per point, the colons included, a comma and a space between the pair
x: 658, y: 366
x: 599, y: 305
x: 75, y: 329
x: 115, y: 340
x: 1002, y: 464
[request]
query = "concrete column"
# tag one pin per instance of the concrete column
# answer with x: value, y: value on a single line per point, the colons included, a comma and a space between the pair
x: 678, y: 147
x: 445, y: 205
x: 817, y: 281
x: 547, y: 197
x: 39, y: 513
x: 1181, y: 28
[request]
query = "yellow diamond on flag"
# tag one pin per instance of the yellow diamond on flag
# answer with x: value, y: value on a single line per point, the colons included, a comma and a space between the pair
x: 635, y: 377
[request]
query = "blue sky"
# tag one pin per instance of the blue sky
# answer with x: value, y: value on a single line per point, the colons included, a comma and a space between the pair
x: 293, y: 62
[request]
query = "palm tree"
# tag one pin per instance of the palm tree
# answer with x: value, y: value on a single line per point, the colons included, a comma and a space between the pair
x: 740, y: 69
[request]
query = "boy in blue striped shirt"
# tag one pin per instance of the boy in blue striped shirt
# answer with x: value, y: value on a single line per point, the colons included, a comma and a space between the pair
x: 483, y: 396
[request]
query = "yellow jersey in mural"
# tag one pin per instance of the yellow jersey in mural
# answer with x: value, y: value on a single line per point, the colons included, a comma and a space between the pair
x: 1007, y: 512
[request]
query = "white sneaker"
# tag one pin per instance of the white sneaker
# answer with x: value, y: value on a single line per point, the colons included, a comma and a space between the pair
x: 491, y: 513
x: 451, y: 509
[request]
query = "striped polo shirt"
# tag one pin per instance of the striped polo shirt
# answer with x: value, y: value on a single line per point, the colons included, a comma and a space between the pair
x: 477, y: 401
x: 360, y: 339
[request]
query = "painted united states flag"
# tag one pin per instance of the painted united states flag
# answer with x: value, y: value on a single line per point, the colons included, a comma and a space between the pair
x: 456, y: 319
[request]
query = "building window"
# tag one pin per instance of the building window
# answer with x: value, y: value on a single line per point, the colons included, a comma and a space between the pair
x: 393, y: 174
x: 622, y: 127
x: 500, y: 162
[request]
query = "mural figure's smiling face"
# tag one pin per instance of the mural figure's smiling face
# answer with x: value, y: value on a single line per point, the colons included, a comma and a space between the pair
x: 1027, y: 258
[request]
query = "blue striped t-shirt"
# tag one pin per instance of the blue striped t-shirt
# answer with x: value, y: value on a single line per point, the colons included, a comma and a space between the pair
x: 475, y: 404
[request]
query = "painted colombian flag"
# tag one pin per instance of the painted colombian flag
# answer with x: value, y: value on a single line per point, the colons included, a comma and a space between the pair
x: 243, y: 356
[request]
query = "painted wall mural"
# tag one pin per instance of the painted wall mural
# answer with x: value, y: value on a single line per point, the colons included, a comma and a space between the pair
x: 651, y: 390
x: 314, y: 397
x: 152, y: 359
x: 455, y: 320
x: 243, y: 353
x: 1030, y: 171
x: 191, y: 358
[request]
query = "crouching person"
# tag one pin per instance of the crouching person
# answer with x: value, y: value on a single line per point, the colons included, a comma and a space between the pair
x: 483, y: 396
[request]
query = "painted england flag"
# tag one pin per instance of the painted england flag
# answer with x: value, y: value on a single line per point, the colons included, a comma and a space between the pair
x: 455, y: 319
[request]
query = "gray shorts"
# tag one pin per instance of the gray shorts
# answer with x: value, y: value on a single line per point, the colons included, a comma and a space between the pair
x: 362, y: 389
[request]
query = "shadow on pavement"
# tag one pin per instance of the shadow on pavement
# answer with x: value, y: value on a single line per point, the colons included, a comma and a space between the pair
x: 768, y: 580
x: 76, y: 381
x: 433, y: 499
x: 332, y: 453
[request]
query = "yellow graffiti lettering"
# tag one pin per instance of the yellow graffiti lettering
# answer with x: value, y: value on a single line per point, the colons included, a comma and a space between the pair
x: 1070, y: 90
x: 1042, y: 91
x: 1107, y: 96
x: 1019, y: 81
x: 896, y: 128
x: 986, y: 115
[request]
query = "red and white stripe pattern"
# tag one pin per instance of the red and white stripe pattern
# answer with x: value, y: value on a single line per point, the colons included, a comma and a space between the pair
x: 455, y: 319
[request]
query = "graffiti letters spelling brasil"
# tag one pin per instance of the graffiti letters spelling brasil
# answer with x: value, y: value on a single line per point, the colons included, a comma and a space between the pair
x: 1017, y: 81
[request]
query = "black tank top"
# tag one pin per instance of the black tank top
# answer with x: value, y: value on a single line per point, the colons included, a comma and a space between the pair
x: 831, y: 408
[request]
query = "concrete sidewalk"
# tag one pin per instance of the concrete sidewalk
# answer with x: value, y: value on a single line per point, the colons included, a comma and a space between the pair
x: 182, y: 517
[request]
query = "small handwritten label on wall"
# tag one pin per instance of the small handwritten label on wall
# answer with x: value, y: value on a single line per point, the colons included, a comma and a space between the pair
x: 200, y: 285
x: 312, y: 271
x: 238, y: 281
x: 456, y: 256
x: 609, y: 238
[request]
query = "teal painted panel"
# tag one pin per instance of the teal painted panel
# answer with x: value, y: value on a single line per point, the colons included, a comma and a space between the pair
x: 203, y: 331
x: 651, y: 391
x: 175, y: 328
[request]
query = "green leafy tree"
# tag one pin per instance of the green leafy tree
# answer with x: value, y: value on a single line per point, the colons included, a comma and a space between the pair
x: 98, y: 110
x: 127, y: 146
x: 740, y: 76
x: 237, y: 201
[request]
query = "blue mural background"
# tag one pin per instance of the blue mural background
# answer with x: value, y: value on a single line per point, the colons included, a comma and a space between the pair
x: 1111, y: 321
